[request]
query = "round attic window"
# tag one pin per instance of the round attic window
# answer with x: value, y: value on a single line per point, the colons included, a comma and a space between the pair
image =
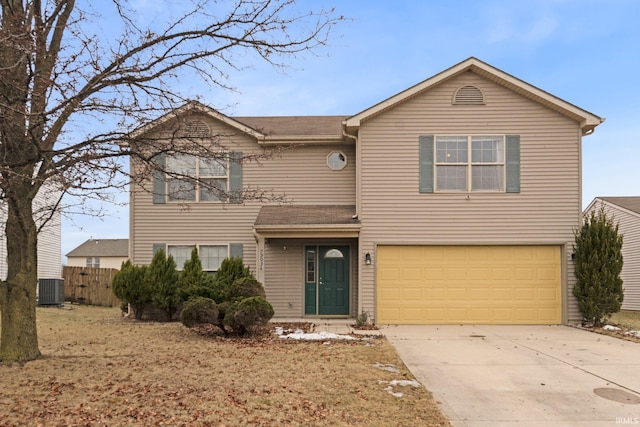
x: 336, y: 160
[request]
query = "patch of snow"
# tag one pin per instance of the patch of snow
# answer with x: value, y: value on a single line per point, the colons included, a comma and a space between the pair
x: 298, y: 334
x: 401, y: 383
x: 635, y: 333
x: 405, y: 383
x: 386, y: 367
x: 391, y: 392
x: 610, y: 328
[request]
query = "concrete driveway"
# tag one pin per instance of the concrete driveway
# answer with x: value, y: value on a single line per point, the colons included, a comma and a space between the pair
x: 523, y: 375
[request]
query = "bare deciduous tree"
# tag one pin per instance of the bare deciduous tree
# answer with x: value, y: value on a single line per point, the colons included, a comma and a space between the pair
x: 70, y: 97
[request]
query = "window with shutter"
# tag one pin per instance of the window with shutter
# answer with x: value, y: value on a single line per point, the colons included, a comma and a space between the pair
x: 464, y: 163
x: 192, y: 179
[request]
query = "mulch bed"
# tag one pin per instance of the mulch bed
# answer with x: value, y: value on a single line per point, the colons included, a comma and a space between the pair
x: 624, y: 333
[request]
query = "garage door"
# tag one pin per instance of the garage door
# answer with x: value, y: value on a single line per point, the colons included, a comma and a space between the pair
x: 468, y: 284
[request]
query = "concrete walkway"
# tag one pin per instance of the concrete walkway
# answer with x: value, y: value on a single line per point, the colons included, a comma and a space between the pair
x: 485, y: 376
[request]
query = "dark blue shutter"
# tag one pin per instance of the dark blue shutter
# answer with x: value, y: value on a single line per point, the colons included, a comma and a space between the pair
x: 512, y: 159
x: 426, y: 163
x: 235, y: 177
x: 235, y: 250
x: 159, y: 185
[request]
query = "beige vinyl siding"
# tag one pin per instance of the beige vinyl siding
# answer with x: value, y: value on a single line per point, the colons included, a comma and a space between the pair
x: 284, y: 277
x: 284, y: 274
x: 545, y: 212
x: 300, y: 173
x: 629, y: 227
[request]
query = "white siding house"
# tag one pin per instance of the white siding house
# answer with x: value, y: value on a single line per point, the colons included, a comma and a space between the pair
x: 49, y: 238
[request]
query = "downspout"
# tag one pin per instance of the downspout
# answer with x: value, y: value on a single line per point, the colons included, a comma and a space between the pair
x: 357, y: 213
x: 355, y: 140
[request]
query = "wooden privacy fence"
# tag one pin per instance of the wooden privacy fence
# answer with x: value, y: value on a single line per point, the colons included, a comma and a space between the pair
x: 89, y: 285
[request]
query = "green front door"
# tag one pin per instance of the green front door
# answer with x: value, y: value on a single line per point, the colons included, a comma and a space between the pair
x: 326, y: 288
x: 333, y: 280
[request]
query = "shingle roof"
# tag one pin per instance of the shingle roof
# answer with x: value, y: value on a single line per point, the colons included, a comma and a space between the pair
x: 102, y: 248
x: 295, y: 125
x: 306, y: 215
x: 630, y: 203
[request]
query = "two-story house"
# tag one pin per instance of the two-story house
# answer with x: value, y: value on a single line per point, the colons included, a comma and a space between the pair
x: 454, y: 201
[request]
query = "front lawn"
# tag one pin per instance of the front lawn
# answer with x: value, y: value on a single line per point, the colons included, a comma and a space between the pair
x: 626, y: 318
x: 99, y: 369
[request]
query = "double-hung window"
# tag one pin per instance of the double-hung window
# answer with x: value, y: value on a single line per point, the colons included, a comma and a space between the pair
x: 197, y: 180
x: 469, y: 163
x: 93, y: 262
x: 211, y: 256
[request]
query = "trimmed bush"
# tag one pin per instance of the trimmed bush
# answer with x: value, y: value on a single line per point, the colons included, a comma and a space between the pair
x: 230, y: 270
x: 246, y: 287
x: 130, y: 287
x: 246, y: 315
x: 199, y: 310
x: 598, y: 264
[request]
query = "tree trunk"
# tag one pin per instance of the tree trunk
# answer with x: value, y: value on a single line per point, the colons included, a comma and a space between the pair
x: 19, y: 337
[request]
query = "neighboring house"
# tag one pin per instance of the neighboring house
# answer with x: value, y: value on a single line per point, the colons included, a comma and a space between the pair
x: 49, y: 237
x: 454, y: 201
x: 625, y: 211
x: 103, y: 253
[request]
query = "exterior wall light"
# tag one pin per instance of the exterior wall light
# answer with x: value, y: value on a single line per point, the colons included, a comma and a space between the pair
x: 367, y: 258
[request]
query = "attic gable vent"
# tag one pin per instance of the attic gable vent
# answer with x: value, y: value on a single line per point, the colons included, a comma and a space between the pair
x: 194, y: 129
x: 468, y: 95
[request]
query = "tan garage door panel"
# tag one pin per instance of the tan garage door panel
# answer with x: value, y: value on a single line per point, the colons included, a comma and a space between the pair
x: 468, y: 284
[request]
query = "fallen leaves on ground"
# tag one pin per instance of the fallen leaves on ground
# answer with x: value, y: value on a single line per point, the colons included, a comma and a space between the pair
x: 100, y: 370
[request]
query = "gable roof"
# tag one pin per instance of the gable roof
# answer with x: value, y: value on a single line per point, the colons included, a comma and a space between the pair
x: 265, y: 129
x: 629, y: 203
x: 296, y: 126
x: 102, y: 248
x: 195, y: 106
x: 587, y: 120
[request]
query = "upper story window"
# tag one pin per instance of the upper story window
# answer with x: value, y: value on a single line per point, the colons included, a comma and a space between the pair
x: 192, y: 179
x: 196, y: 180
x: 469, y: 163
x: 463, y: 163
x: 93, y: 261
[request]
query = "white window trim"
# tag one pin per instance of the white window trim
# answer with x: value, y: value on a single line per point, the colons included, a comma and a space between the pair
x: 197, y: 245
x: 197, y: 185
x: 469, y: 164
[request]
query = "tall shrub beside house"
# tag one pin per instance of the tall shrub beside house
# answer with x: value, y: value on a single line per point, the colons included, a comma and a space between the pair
x: 131, y: 288
x: 194, y: 281
x: 162, y: 278
x: 598, y: 263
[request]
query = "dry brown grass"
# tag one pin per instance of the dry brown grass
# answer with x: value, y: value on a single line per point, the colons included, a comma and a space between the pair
x: 100, y: 370
x: 626, y: 318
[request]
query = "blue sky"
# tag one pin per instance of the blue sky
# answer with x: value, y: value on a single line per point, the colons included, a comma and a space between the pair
x: 586, y: 52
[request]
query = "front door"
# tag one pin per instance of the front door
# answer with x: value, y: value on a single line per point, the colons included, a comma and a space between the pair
x: 333, y: 280
x: 327, y: 286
